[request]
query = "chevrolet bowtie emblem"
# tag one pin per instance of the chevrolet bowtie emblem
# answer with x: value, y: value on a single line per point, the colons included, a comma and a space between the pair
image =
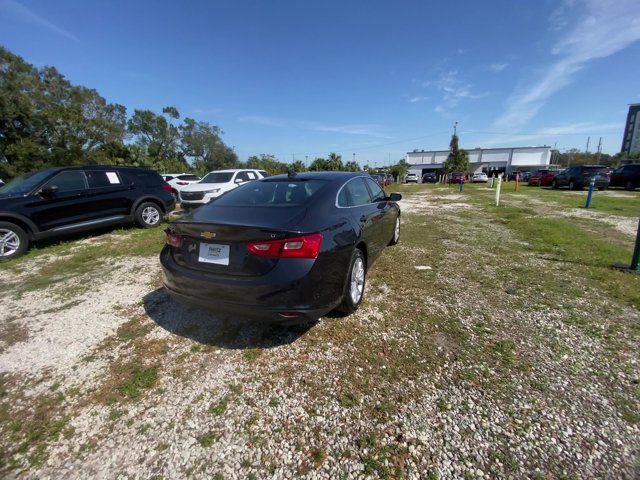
x: 208, y: 234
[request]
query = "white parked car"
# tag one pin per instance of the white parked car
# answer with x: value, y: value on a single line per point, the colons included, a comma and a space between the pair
x: 411, y: 177
x: 214, y: 184
x: 178, y: 181
x: 479, y: 177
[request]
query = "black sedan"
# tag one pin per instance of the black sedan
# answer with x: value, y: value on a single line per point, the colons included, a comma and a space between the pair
x: 288, y: 248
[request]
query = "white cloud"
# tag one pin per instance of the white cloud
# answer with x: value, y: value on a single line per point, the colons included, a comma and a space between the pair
x: 418, y: 99
x: 453, y: 90
x: 21, y: 13
x: 551, y: 134
x: 353, y: 129
x: 262, y: 120
x: 602, y: 28
x: 498, y: 67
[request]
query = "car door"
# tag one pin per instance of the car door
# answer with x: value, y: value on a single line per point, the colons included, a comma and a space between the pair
x: 107, y: 195
x: 365, y: 214
x: 64, y: 207
x: 385, y: 217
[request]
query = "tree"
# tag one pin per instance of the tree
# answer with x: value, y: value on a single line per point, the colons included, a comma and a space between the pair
x: 266, y: 162
x: 334, y: 162
x: 297, y: 166
x: 157, y: 134
x: 458, y: 160
x: 47, y: 121
x: 399, y: 169
x: 352, y: 166
x: 318, y: 165
x: 200, y: 142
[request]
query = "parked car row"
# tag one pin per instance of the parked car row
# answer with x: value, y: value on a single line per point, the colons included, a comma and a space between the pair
x: 579, y: 176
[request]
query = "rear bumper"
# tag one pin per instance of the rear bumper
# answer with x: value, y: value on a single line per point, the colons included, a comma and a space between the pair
x: 295, y: 290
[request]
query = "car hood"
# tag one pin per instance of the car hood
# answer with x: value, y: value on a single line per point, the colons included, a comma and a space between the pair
x: 203, y: 187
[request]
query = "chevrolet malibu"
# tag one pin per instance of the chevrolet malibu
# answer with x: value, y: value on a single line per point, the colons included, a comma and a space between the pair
x: 288, y: 248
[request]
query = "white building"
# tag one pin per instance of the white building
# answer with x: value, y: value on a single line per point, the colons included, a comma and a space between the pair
x: 488, y: 160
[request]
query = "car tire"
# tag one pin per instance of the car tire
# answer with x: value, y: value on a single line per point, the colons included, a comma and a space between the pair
x: 14, y: 241
x: 148, y: 215
x: 357, y: 268
x: 629, y: 186
x: 554, y: 184
x: 396, y: 232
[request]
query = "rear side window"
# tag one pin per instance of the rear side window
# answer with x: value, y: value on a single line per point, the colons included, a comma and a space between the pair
x: 68, y: 181
x: 354, y: 193
x: 263, y: 173
x: 99, y: 179
x: 189, y: 178
x: 252, y: 175
x: 144, y: 177
x: 271, y: 194
x: 377, y: 194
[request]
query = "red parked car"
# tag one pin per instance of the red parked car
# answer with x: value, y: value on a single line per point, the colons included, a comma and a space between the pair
x: 456, y: 177
x: 535, y: 179
x: 547, y: 179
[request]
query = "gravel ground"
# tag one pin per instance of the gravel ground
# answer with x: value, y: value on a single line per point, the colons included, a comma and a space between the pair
x: 434, y: 377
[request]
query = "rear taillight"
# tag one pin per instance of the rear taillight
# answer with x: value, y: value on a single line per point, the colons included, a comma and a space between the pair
x: 173, y: 239
x: 167, y: 187
x: 307, y: 246
x: 182, y: 183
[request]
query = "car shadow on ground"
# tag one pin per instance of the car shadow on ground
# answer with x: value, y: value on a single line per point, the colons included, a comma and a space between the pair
x: 216, y: 329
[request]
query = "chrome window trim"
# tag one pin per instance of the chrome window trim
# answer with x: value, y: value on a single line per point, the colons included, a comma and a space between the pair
x: 354, y: 206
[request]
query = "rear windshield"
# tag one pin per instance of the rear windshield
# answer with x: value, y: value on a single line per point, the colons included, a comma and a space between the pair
x: 281, y: 193
x: 217, y: 177
x: 189, y: 178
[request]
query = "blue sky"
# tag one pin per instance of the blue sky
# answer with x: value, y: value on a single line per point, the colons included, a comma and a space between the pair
x: 374, y: 78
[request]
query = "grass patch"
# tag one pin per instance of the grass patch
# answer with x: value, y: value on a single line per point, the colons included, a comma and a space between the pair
x: 208, y: 439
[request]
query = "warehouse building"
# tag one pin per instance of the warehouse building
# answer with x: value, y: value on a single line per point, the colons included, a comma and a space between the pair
x: 488, y: 160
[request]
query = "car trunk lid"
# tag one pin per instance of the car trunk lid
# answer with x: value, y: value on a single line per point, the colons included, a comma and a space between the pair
x: 214, y: 240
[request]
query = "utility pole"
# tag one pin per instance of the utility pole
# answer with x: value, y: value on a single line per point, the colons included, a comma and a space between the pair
x: 599, y: 150
x: 587, y: 150
x: 354, y: 157
x: 306, y: 160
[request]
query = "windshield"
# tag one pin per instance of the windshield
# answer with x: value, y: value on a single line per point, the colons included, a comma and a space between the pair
x: 282, y: 193
x: 189, y: 178
x: 26, y: 182
x: 217, y: 177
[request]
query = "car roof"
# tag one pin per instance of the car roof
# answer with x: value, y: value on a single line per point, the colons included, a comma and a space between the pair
x: 333, y: 176
x: 231, y: 170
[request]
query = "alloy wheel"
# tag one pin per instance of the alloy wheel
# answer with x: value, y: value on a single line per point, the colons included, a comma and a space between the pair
x: 150, y: 215
x: 357, y: 281
x: 9, y: 242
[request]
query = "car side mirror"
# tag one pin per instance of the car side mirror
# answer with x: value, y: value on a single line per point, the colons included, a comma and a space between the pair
x: 238, y: 180
x: 395, y: 197
x: 49, y: 191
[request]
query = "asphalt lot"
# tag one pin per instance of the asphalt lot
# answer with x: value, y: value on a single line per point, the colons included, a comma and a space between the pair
x: 492, y: 343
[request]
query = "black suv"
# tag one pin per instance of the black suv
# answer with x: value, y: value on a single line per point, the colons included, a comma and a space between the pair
x: 579, y: 177
x: 627, y: 176
x: 55, y: 201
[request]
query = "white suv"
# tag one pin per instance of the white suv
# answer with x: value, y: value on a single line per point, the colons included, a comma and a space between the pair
x: 214, y: 184
x: 178, y: 181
